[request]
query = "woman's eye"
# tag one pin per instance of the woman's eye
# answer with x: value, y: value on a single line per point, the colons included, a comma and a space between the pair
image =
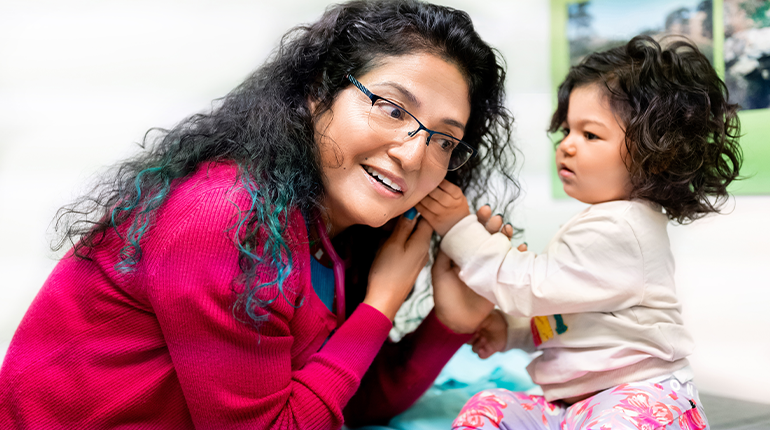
x: 391, y: 111
x: 446, y: 144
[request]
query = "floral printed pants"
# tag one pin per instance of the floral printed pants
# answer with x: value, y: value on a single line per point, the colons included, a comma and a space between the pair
x: 668, y: 404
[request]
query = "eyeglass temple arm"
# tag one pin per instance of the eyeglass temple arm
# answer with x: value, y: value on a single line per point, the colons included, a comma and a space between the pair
x: 374, y: 98
x: 361, y: 87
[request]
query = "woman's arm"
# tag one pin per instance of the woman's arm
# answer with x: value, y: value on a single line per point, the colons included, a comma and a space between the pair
x: 402, y: 372
x: 233, y: 375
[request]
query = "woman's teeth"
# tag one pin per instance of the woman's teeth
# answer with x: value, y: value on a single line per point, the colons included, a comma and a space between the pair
x: 382, y: 179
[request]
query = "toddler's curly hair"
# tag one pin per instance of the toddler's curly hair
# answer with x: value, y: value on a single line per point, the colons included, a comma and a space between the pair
x: 681, y: 132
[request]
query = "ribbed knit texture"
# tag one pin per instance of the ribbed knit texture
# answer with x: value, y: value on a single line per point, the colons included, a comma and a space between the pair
x: 159, y: 347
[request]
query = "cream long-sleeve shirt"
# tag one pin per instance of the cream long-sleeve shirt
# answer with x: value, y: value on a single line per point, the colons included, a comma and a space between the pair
x: 600, y: 302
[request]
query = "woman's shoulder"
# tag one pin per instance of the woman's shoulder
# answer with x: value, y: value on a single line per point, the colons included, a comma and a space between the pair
x: 204, y: 219
x: 213, y: 200
x: 208, y: 178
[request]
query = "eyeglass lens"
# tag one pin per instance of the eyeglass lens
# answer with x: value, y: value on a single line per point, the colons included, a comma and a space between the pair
x: 444, y: 150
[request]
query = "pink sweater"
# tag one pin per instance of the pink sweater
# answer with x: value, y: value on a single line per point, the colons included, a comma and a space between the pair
x: 159, y: 347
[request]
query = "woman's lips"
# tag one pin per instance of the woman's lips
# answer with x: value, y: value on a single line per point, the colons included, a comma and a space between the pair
x: 384, y: 179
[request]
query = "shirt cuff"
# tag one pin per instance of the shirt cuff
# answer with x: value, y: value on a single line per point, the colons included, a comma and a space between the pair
x: 463, y: 239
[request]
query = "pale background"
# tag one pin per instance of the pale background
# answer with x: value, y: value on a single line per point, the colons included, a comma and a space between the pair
x: 81, y: 81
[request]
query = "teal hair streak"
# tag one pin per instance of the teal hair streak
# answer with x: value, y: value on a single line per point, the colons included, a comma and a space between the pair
x: 275, y: 251
x: 132, y: 252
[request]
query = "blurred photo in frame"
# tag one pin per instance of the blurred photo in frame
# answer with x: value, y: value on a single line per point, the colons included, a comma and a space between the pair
x: 597, y: 25
x: 747, y: 52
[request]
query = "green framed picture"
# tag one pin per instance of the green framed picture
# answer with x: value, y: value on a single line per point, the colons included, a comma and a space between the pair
x: 734, y: 34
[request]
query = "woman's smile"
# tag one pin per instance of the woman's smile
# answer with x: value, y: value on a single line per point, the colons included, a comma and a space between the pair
x: 393, y: 185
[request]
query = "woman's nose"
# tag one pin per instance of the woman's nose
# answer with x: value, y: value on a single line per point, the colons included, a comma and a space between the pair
x: 410, y: 151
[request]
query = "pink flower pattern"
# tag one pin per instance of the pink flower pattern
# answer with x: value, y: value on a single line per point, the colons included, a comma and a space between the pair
x: 645, y: 406
x: 692, y: 420
x: 483, y: 405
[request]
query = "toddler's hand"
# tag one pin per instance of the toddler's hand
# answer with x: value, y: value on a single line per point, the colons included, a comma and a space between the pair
x: 494, y: 224
x: 491, y: 335
x: 444, y: 207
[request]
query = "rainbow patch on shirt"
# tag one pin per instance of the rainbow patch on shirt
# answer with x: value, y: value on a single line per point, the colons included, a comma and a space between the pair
x: 541, y: 328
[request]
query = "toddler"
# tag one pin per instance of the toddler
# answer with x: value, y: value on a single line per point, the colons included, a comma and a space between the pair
x: 648, y: 137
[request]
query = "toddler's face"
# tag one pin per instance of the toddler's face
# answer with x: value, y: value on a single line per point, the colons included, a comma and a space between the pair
x: 590, y: 157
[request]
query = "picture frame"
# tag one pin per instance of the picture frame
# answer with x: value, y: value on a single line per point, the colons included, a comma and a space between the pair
x: 755, y: 123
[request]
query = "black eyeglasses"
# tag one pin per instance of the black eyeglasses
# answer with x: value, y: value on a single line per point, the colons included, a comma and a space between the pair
x: 387, y: 117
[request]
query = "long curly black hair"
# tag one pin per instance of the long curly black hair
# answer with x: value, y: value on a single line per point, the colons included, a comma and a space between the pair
x: 682, y: 134
x: 265, y: 126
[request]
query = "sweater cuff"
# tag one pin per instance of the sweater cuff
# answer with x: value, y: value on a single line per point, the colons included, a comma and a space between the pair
x: 463, y: 239
x: 359, y: 339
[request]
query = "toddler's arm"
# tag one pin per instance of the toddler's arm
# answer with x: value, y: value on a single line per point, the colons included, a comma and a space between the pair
x: 594, y: 264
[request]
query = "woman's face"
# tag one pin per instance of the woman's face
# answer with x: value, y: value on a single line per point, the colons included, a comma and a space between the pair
x: 370, y: 176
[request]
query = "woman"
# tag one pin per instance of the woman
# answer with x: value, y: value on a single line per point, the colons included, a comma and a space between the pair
x: 203, y: 289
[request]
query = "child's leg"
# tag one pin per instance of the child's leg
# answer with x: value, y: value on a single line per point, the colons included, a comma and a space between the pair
x: 503, y: 409
x: 641, y: 405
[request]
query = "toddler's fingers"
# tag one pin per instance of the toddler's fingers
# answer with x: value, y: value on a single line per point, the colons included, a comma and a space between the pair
x: 522, y: 247
x: 508, y: 231
x: 473, y: 339
x: 494, y: 224
x: 484, y: 214
x: 481, y: 349
x: 476, y: 347
x: 430, y: 205
x: 445, y: 199
x: 423, y: 210
x: 485, y: 353
x: 451, y: 189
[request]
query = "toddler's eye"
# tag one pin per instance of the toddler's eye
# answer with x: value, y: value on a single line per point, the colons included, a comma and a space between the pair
x: 591, y: 136
x: 565, y: 131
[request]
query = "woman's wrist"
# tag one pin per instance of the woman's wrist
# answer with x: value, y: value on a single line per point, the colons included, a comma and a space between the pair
x: 383, y: 304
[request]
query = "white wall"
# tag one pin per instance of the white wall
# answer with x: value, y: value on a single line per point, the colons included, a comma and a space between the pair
x: 81, y: 81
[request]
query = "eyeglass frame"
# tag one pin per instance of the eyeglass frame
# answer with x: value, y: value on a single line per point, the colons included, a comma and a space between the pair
x: 374, y: 97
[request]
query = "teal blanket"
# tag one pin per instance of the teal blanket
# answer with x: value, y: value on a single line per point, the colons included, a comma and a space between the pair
x: 464, y: 376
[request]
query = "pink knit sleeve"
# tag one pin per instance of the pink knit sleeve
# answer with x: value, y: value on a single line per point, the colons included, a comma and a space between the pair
x: 234, y: 376
x: 402, y: 372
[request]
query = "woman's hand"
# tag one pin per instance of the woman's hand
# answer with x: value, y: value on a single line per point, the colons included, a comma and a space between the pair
x: 491, y: 336
x: 457, y: 306
x: 397, y: 264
